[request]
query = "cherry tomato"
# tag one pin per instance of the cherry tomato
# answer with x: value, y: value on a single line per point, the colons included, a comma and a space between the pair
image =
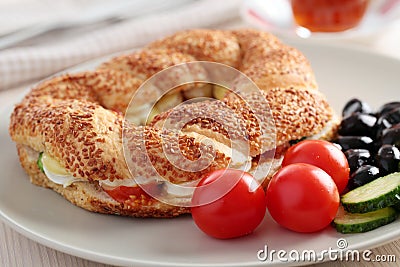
x: 324, y: 155
x: 302, y: 197
x: 228, y: 203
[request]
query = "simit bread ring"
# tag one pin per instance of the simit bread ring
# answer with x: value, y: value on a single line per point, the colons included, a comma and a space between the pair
x: 71, y: 130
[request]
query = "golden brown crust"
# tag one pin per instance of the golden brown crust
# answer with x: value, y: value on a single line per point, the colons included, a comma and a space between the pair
x: 255, y: 44
x: 295, y: 113
x: 209, y: 118
x: 206, y: 45
x: 298, y: 113
x: 83, y: 136
x: 263, y: 119
x: 87, y: 140
x: 77, y: 118
x: 110, y: 88
x: 249, y: 38
x: 283, y: 67
x: 113, y: 89
x: 170, y: 154
x: 147, y: 62
x: 270, y: 63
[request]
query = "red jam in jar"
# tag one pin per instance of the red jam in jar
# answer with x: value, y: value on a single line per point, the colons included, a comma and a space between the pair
x: 328, y: 15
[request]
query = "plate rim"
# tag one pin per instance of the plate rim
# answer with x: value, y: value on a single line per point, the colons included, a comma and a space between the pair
x: 109, y: 259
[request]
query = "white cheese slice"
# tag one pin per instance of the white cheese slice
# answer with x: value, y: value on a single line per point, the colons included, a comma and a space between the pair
x: 56, y: 172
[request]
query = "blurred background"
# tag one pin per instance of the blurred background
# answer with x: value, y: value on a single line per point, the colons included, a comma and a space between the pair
x: 41, y: 37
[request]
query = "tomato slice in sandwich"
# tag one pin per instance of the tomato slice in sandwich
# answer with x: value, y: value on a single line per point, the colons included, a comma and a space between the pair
x: 124, y: 193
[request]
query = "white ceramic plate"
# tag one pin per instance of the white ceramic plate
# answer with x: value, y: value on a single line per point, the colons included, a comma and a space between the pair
x: 277, y: 17
x: 46, y: 217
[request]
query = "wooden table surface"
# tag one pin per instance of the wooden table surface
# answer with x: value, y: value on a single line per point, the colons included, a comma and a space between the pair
x: 17, y: 250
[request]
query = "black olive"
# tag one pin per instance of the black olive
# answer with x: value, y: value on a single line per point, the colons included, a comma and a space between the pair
x: 391, y: 136
x: 388, y: 159
x: 358, y: 158
x: 386, y: 108
x: 349, y: 142
x: 393, y: 116
x: 363, y: 175
x: 381, y: 125
x: 358, y: 124
x: 355, y: 106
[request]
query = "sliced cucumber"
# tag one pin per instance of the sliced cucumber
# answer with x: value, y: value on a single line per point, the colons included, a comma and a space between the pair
x: 380, y: 193
x: 346, y: 222
x: 39, y: 162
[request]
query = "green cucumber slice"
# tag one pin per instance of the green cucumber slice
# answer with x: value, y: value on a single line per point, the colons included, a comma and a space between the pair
x: 346, y: 222
x: 39, y: 162
x: 380, y: 193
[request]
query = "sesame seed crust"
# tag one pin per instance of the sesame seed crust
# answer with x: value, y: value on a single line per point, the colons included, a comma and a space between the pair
x: 147, y: 62
x: 90, y: 196
x: 263, y: 119
x: 254, y: 43
x: 213, y: 119
x: 281, y: 67
x: 206, y: 45
x: 294, y: 113
x: 85, y: 137
x: 169, y: 154
x: 77, y: 118
x: 110, y: 88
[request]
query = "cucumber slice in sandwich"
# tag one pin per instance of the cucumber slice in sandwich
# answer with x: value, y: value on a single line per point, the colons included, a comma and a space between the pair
x: 346, y: 222
x: 380, y: 193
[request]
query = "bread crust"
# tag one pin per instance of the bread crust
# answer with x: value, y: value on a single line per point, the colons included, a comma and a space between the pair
x: 83, y: 136
x: 205, y: 45
x: 90, y: 196
x: 78, y: 118
x: 266, y: 119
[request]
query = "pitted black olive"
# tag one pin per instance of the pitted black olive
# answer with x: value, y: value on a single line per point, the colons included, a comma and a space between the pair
x: 391, y: 136
x: 363, y: 175
x: 393, y: 116
x: 358, y: 158
x: 386, y: 108
x: 358, y: 124
x: 386, y: 121
x: 381, y: 125
x: 355, y: 106
x: 388, y: 159
x: 370, y: 141
x: 349, y: 142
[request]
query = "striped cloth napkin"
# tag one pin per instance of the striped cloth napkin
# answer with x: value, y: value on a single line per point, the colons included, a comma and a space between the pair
x: 22, y: 64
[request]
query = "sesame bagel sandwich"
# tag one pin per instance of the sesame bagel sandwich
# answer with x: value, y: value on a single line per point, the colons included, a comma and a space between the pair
x: 82, y: 135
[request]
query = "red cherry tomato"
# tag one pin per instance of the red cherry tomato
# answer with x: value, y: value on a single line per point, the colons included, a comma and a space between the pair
x: 228, y: 203
x: 324, y: 155
x: 302, y: 198
x: 122, y: 193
